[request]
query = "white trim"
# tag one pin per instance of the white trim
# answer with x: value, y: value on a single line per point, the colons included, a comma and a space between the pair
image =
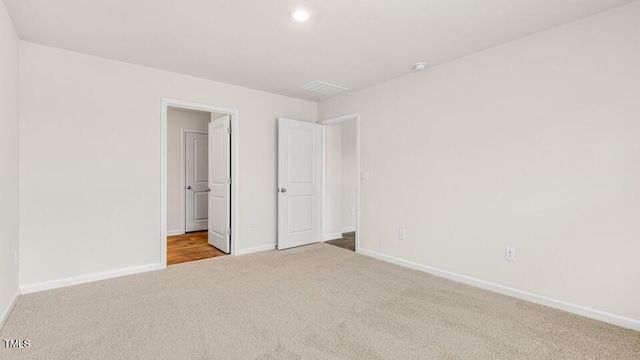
x: 332, y: 236
x: 338, y: 235
x: 83, y: 279
x: 323, y: 181
x: 9, y: 309
x: 175, y: 232
x: 163, y: 184
x: 235, y: 169
x: 335, y: 120
x: 340, y: 119
x: 255, y: 249
x: 519, y: 294
x: 183, y: 177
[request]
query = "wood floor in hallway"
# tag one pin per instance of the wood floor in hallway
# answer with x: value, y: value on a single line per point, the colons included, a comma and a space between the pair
x: 348, y: 241
x: 190, y: 247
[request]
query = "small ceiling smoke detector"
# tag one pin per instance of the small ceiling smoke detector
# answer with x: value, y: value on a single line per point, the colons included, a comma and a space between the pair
x: 300, y: 15
x: 323, y: 88
x: 419, y: 66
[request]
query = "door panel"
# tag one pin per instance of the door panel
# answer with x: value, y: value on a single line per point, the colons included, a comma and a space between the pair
x: 196, y: 170
x: 300, y: 213
x: 201, y: 208
x: 300, y: 149
x: 216, y: 209
x: 201, y: 152
x: 220, y: 184
x: 299, y: 183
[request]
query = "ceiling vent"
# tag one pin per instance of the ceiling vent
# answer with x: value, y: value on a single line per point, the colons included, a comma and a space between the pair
x: 323, y: 88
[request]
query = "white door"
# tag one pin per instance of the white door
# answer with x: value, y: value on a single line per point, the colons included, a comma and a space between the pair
x: 299, y: 183
x: 196, y: 181
x: 220, y: 183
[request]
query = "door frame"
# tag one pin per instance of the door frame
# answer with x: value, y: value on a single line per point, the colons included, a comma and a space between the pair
x: 235, y: 169
x: 331, y: 121
x: 183, y: 178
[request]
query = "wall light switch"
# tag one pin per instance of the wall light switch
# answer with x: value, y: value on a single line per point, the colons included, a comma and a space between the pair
x: 253, y: 226
x: 364, y: 176
x: 402, y: 234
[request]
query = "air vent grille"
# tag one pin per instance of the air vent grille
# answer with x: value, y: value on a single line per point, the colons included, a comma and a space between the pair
x: 323, y: 88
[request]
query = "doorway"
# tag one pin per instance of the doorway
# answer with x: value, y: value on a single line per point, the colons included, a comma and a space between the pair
x: 311, y: 207
x: 199, y: 198
x: 340, y: 182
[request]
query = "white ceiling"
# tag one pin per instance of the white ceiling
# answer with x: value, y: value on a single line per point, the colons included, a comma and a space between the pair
x: 254, y: 43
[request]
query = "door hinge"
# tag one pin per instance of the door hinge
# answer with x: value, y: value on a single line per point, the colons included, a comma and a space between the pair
x: 229, y: 129
x: 229, y: 181
x: 229, y: 231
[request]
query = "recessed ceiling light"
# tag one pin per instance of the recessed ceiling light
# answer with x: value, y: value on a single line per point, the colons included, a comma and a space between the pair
x: 300, y: 15
x: 419, y: 66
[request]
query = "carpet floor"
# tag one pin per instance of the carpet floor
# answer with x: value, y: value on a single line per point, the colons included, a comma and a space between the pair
x: 312, y: 302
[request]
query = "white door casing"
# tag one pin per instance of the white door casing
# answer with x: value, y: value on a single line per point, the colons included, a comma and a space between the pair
x: 220, y: 183
x: 196, y: 181
x: 299, y: 183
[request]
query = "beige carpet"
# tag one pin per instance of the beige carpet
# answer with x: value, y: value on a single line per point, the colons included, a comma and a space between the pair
x: 313, y: 302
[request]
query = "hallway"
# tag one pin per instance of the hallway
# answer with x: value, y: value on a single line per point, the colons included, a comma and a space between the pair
x: 190, y: 247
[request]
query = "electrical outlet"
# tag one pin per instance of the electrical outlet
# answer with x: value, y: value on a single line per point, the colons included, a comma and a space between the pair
x: 402, y: 234
x: 253, y: 226
x: 509, y: 254
x: 364, y: 176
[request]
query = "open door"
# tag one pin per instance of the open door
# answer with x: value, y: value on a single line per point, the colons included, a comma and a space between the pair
x: 299, y: 183
x: 220, y: 183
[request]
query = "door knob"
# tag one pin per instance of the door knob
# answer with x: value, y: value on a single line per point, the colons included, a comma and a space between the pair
x: 283, y: 190
x: 208, y: 189
x: 189, y: 187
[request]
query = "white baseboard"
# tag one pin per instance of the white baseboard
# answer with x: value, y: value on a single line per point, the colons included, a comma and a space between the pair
x: 603, y: 316
x: 332, y: 236
x: 255, y: 249
x: 82, y: 279
x: 7, y: 311
x: 175, y: 232
x: 338, y: 235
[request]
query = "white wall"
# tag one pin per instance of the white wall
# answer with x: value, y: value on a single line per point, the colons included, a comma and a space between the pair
x: 349, y: 175
x: 176, y: 121
x: 332, y: 218
x: 533, y: 144
x: 90, y: 160
x: 9, y: 165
